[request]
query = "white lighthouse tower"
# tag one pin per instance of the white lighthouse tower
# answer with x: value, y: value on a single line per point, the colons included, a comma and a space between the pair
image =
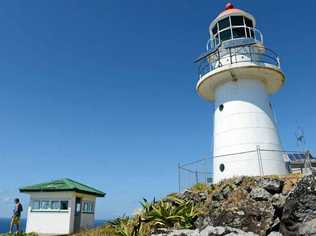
x: 238, y: 73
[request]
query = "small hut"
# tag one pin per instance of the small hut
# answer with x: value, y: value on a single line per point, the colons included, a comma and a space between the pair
x: 60, y: 207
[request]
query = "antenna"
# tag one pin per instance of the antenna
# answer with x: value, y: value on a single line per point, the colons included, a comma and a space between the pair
x: 300, y: 138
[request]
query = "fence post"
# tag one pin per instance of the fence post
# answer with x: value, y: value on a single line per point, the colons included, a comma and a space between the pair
x: 260, y: 160
x: 179, y: 177
x: 196, y: 177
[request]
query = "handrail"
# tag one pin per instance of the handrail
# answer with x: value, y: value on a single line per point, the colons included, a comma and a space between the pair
x: 238, y: 54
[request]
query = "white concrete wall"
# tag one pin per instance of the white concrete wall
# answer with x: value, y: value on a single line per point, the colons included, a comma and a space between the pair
x: 245, y: 122
x: 46, y: 222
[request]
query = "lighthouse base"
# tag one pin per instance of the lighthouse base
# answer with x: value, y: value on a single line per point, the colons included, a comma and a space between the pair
x: 252, y: 163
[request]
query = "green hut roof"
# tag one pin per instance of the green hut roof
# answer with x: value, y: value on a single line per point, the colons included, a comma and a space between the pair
x: 62, y: 185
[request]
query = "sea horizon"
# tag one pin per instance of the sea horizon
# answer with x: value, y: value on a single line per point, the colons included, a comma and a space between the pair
x: 5, y: 224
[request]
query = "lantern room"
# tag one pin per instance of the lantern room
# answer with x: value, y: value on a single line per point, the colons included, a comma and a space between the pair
x: 233, y: 24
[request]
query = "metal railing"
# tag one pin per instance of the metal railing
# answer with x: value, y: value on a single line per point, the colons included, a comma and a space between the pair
x: 238, y: 54
x: 201, y: 171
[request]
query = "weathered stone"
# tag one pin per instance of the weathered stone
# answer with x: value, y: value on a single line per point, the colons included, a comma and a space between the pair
x: 226, y: 191
x: 202, y: 221
x: 299, y: 213
x: 275, y: 234
x: 238, y: 180
x: 271, y: 185
x: 260, y: 194
x: 246, y: 214
x: 194, y: 197
x: 217, y: 196
x: 278, y: 201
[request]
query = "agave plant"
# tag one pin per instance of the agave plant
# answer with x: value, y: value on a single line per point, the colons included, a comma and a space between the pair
x: 170, y: 212
x: 126, y: 226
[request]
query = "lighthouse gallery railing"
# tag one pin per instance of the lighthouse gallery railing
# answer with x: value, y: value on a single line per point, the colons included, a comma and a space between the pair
x: 234, y: 55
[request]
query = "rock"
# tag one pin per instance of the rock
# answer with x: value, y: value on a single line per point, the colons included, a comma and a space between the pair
x: 202, y: 221
x: 278, y: 201
x: 271, y: 185
x: 260, y: 194
x: 194, y: 197
x: 217, y: 196
x: 182, y: 232
x: 238, y: 180
x: 299, y: 212
x: 209, y: 231
x: 275, y: 234
x: 246, y: 214
x: 226, y: 191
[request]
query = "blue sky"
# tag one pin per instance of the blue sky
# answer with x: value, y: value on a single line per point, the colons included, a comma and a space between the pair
x: 104, y: 91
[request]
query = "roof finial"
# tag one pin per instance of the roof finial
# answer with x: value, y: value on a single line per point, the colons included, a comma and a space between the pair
x: 229, y: 6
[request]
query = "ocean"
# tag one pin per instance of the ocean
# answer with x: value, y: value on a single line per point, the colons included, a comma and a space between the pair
x: 5, y: 224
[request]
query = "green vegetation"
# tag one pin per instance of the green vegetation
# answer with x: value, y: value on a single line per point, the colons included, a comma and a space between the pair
x: 171, y: 212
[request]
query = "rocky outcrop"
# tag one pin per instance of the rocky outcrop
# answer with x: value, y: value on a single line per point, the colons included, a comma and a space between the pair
x: 299, y: 213
x: 256, y: 206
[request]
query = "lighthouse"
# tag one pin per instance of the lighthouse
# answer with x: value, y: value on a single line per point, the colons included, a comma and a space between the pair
x: 238, y: 73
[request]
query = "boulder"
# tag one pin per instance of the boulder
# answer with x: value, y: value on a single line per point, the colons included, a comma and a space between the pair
x: 194, y: 197
x: 243, y: 213
x: 299, y: 212
x: 227, y: 190
x: 217, y: 196
x: 271, y: 185
x: 260, y: 194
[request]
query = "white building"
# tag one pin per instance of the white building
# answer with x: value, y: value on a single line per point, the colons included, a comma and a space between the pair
x: 238, y: 73
x: 60, y: 207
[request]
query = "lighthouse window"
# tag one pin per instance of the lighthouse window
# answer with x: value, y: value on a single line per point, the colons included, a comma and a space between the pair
x: 225, y: 35
x: 239, y: 32
x: 248, y: 22
x: 237, y: 20
x: 223, y: 23
x: 214, y: 30
x: 221, y: 107
x: 221, y: 167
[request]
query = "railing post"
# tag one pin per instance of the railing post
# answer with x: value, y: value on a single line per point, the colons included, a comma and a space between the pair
x: 230, y: 56
x: 219, y: 58
x: 278, y: 60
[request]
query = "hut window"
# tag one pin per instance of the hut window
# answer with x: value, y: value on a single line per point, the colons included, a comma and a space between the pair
x: 44, y: 204
x: 49, y: 205
x: 63, y: 205
x: 88, y: 207
x: 55, y: 205
x: 36, y: 205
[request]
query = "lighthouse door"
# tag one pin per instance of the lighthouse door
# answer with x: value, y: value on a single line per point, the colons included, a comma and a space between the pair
x: 77, y: 215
